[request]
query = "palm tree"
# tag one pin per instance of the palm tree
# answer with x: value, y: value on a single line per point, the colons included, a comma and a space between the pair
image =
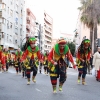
x: 91, y: 17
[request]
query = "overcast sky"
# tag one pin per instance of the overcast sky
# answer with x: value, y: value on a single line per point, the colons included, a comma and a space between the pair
x: 63, y: 12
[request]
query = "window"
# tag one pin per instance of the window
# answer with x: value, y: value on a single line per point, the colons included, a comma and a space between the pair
x: 11, y: 2
x: 20, y: 39
x: 11, y: 12
x: 10, y: 38
x: 16, y: 23
x: 7, y: 24
x: 28, y: 21
x: 16, y: 1
x: 21, y: 8
x: 10, y: 25
x: 21, y: 31
x: 0, y: 7
x: 16, y: 14
x: 16, y: 41
x: 4, y: 6
x: 3, y: 20
x: 16, y: 31
x: 7, y: 37
x: 0, y: 36
x: 16, y: 7
x: 8, y: 10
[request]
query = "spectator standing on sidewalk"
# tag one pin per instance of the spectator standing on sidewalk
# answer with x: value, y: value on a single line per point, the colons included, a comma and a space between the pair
x: 96, y: 63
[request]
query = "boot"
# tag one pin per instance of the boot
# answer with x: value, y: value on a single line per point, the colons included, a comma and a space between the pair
x: 83, y: 81
x: 54, y: 89
x: 33, y: 79
x: 60, y: 87
x: 78, y: 80
x: 28, y: 83
x: 40, y: 71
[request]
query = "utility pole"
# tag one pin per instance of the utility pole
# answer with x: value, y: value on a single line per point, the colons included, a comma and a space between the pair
x: 39, y: 36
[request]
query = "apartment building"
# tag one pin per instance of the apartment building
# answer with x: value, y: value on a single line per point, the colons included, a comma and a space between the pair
x: 83, y: 31
x: 39, y: 35
x: 30, y: 23
x: 48, y: 31
x: 12, y: 23
x: 54, y: 41
x: 68, y: 37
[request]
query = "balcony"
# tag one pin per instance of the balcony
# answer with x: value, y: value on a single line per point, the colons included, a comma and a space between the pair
x: 2, y: 28
x: 3, y: 14
x: 28, y: 17
x: 48, y: 43
x: 48, y: 29
x: 48, y: 39
x: 47, y: 21
x: 27, y: 26
x: 48, y: 33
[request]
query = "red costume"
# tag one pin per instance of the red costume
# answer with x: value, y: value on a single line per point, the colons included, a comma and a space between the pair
x: 31, y: 59
x: 83, y: 58
x: 57, y: 63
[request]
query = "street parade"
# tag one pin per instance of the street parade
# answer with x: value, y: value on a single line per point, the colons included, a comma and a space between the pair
x: 49, y: 49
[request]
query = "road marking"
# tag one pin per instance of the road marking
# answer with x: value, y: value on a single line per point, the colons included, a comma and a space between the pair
x: 38, y: 90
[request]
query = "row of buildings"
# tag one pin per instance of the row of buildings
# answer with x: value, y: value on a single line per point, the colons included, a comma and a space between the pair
x: 18, y: 22
x: 82, y: 32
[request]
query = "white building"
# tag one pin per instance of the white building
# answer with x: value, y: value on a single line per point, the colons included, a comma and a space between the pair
x: 12, y: 23
x: 48, y: 32
x: 39, y: 35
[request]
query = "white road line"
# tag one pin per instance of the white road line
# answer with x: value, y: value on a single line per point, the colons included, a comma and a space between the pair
x: 38, y: 90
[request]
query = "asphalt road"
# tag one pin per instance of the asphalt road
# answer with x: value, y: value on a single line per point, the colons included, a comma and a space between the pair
x: 14, y: 87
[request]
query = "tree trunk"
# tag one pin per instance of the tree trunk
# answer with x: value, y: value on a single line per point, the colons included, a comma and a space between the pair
x: 91, y: 36
x: 95, y: 36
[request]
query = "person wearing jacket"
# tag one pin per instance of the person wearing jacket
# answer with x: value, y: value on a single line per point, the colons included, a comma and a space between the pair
x: 96, y: 63
x: 18, y: 55
x: 1, y: 56
x: 31, y: 57
x: 45, y: 59
x: 83, y: 60
x: 7, y: 58
x: 57, y: 65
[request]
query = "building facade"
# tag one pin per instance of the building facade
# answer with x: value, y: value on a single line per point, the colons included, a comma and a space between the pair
x: 54, y: 41
x: 83, y: 31
x: 12, y: 23
x: 40, y: 36
x: 48, y: 32
x: 68, y: 37
x: 30, y: 23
